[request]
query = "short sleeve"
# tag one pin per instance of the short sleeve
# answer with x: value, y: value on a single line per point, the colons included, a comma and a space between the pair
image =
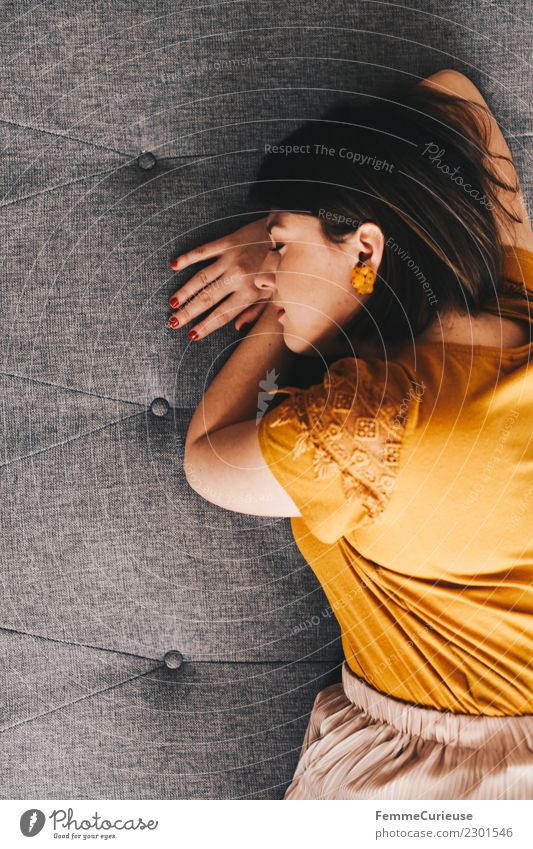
x: 335, y: 446
x: 517, y: 270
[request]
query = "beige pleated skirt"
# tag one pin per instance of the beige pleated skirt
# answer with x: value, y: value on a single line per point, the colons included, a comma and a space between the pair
x: 362, y: 744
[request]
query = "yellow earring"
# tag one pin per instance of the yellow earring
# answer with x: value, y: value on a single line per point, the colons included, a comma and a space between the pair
x: 363, y: 278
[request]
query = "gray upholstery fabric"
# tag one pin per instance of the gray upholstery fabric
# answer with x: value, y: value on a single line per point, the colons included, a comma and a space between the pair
x: 109, y: 559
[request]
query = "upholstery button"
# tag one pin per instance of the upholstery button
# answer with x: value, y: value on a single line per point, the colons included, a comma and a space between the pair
x: 173, y: 659
x: 146, y: 160
x: 159, y: 407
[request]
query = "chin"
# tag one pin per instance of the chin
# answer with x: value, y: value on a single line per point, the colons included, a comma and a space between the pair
x: 299, y: 346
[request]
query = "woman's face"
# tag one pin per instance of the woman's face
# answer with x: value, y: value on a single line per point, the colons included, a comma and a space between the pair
x: 309, y: 277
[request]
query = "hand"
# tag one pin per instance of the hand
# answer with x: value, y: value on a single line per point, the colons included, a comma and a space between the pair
x: 231, y: 276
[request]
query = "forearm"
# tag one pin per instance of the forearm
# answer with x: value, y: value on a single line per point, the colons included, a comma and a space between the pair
x: 232, y: 396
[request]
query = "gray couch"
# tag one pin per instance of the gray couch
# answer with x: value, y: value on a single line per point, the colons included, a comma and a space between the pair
x: 154, y: 645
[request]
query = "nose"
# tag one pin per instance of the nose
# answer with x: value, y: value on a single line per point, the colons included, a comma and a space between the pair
x: 266, y: 281
x: 265, y: 278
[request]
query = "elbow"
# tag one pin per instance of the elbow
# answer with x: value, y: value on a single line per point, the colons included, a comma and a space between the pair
x: 455, y: 83
x: 447, y: 75
x: 197, y: 469
x: 191, y: 467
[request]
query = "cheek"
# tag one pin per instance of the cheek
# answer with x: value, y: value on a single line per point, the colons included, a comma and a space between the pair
x: 299, y: 279
x: 335, y: 294
x: 313, y: 287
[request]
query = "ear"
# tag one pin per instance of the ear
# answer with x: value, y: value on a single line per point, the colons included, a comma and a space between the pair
x: 366, y: 244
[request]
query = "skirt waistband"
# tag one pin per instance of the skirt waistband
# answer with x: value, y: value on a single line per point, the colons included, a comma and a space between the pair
x: 468, y: 730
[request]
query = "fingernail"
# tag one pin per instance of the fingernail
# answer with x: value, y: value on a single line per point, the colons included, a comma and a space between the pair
x: 174, y: 264
x: 193, y: 335
x: 173, y: 322
x: 174, y: 302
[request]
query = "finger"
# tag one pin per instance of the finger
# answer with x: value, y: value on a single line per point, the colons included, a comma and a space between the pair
x: 200, y: 253
x: 199, y: 303
x: 199, y: 281
x: 218, y: 318
x: 249, y: 315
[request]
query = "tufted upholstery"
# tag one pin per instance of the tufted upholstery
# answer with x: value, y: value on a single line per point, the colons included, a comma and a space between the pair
x: 129, y: 133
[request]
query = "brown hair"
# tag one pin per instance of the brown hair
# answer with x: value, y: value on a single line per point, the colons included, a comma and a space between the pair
x: 417, y: 164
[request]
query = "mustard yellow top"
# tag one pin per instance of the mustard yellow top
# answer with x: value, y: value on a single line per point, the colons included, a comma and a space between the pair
x: 414, y: 480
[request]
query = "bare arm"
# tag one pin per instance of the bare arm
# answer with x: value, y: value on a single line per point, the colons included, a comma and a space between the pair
x: 232, y: 396
x: 223, y: 462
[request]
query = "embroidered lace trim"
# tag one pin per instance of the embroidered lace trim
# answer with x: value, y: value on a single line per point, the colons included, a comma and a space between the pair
x: 363, y: 447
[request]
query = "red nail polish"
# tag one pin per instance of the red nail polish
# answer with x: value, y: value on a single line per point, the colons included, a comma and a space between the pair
x: 193, y: 335
x: 174, y: 302
x: 174, y: 265
x: 173, y: 322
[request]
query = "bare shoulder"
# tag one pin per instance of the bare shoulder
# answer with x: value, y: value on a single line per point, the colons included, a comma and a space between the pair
x: 511, y: 233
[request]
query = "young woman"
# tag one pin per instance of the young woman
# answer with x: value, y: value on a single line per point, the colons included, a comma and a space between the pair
x: 401, y: 265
